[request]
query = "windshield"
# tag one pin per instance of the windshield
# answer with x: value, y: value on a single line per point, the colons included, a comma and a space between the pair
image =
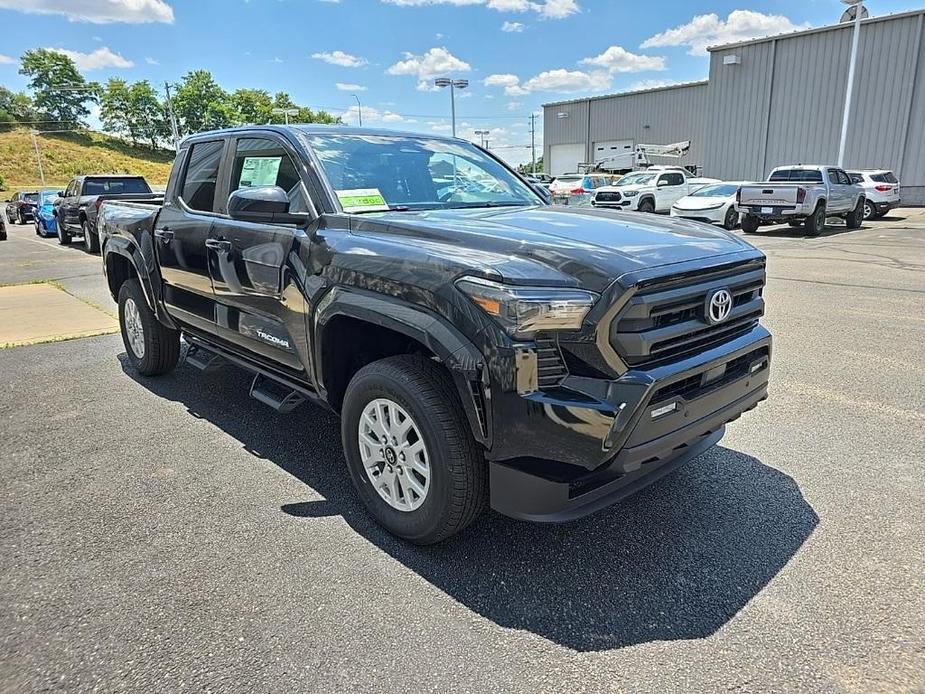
x: 636, y: 179
x: 716, y: 191
x: 30, y: 197
x: 372, y: 173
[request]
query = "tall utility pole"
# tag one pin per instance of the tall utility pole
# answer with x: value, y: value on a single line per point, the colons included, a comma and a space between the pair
x: 533, y: 141
x: 173, y: 119
x: 359, y: 110
x: 858, y: 7
x: 38, y: 155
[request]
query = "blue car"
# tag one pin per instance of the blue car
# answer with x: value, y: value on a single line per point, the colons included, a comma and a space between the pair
x: 45, y: 224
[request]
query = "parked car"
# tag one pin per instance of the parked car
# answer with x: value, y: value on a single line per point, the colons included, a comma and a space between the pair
x: 480, y: 347
x: 654, y: 190
x: 801, y: 195
x: 576, y: 189
x: 2, y: 228
x: 543, y: 178
x: 714, y: 204
x: 44, y: 218
x: 21, y: 207
x: 881, y: 190
x: 79, y: 204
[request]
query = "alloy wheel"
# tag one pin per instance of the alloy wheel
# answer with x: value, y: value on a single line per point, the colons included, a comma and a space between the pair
x: 134, y: 330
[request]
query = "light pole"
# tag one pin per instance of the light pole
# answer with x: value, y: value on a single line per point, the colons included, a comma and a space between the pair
x: 38, y: 155
x: 858, y: 11
x: 171, y: 116
x: 453, y: 85
x: 359, y: 109
x: 285, y: 112
x: 483, y: 136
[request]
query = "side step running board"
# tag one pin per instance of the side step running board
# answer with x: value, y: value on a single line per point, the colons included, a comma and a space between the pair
x: 275, y: 394
x: 204, y: 359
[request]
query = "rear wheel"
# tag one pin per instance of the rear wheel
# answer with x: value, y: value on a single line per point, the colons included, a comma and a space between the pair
x: 815, y: 223
x: 91, y: 240
x: 152, y: 347
x: 870, y: 210
x: 854, y: 218
x: 731, y: 220
x: 409, y: 450
x: 750, y: 224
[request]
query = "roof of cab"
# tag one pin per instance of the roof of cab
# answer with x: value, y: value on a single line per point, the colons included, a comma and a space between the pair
x: 315, y: 129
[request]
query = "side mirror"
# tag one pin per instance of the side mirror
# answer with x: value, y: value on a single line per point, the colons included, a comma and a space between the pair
x: 662, y: 183
x: 267, y: 204
x: 543, y: 192
x: 60, y: 193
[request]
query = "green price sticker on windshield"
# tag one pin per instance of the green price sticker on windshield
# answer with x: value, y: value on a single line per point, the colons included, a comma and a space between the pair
x: 362, y: 200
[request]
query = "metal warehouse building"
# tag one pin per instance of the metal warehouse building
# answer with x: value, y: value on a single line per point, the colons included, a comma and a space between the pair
x: 769, y: 102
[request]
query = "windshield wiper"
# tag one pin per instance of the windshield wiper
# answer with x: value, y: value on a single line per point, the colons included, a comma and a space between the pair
x: 488, y: 203
x: 392, y: 208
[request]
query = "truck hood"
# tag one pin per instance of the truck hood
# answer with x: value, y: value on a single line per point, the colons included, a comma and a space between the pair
x: 555, y: 245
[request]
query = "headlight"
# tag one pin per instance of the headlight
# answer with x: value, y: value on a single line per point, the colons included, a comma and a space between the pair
x: 631, y: 193
x: 712, y: 207
x: 523, y: 311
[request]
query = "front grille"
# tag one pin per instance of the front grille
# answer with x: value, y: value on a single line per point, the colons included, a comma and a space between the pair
x: 550, y: 366
x: 608, y: 196
x: 697, y: 385
x: 666, y: 318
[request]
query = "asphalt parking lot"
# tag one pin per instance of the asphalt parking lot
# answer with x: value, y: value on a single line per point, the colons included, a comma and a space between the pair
x: 174, y: 535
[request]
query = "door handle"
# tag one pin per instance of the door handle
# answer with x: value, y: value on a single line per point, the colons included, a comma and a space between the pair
x: 218, y: 244
x: 164, y: 234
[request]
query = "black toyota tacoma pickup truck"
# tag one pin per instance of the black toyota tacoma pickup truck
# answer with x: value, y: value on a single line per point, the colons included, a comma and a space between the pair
x: 480, y: 346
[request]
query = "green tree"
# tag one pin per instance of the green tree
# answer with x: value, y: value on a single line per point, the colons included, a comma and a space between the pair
x: 16, y: 107
x: 115, y: 109
x: 148, y: 112
x: 60, y: 91
x: 201, y: 104
x: 252, y: 106
x: 305, y: 115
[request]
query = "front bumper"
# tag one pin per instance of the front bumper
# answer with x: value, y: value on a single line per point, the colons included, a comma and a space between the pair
x: 711, y: 216
x: 577, y: 453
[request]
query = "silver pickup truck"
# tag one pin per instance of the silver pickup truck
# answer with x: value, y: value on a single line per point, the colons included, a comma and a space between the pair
x: 801, y: 195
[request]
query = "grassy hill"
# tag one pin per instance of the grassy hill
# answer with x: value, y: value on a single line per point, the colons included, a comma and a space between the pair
x: 65, y: 155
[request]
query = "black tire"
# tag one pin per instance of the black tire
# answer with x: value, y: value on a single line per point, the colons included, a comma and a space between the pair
x: 750, y: 224
x: 19, y: 217
x: 815, y: 223
x: 459, y: 475
x: 731, y: 220
x: 870, y: 210
x: 91, y: 240
x: 855, y: 218
x: 161, y: 344
x: 64, y: 239
x: 647, y: 206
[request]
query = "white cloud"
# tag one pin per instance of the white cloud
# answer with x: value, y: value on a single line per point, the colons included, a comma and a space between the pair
x: 560, y: 80
x: 371, y: 114
x: 152, y: 61
x: 514, y: 105
x: 437, y: 62
x: 618, y: 59
x: 6, y: 60
x: 96, y: 60
x: 547, y: 9
x: 709, y: 30
x: 97, y: 11
x: 512, y: 27
x: 349, y: 87
x: 440, y: 126
x: 340, y: 58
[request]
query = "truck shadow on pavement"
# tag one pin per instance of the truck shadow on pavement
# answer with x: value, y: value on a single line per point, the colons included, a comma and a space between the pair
x: 676, y: 561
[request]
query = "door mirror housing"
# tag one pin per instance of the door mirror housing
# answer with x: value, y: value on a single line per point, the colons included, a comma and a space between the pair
x: 60, y: 193
x: 662, y: 183
x: 543, y: 192
x: 266, y: 204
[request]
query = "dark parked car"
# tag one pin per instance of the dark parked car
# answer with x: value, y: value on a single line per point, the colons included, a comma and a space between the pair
x: 21, y: 207
x: 479, y: 345
x: 76, y: 211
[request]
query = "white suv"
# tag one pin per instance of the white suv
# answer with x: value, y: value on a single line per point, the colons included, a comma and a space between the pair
x: 654, y: 190
x: 881, y: 190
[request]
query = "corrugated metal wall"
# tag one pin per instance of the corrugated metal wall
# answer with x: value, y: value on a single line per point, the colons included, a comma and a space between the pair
x: 783, y: 104
x: 661, y: 116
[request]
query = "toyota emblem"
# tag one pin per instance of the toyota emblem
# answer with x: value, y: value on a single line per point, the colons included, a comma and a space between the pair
x: 719, y: 306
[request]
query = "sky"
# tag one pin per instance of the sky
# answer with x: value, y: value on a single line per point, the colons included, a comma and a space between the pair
x: 516, y: 54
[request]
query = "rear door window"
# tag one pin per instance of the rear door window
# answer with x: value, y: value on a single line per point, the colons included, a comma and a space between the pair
x: 856, y: 177
x: 201, y: 176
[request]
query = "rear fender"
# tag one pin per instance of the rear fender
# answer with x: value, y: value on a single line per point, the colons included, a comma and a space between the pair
x: 146, y: 271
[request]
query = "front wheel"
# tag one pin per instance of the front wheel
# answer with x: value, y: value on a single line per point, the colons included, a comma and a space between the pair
x: 870, y: 211
x: 750, y: 224
x: 731, y: 220
x: 409, y: 450
x: 647, y: 206
x: 152, y: 347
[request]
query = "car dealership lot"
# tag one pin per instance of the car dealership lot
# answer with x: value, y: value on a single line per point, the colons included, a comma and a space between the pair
x: 164, y: 534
